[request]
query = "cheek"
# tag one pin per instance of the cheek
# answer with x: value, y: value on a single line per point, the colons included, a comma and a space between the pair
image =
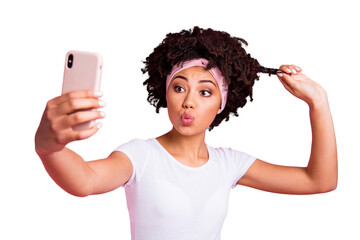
x: 172, y: 108
x: 214, y: 105
x: 170, y: 103
x: 210, y: 111
x: 210, y: 115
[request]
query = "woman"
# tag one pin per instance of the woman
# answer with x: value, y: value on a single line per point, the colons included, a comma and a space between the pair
x: 177, y: 186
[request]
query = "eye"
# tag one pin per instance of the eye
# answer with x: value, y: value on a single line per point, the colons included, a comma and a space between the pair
x: 178, y: 88
x: 205, y: 93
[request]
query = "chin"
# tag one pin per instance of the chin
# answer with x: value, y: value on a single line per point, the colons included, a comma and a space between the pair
x: 189, y: 130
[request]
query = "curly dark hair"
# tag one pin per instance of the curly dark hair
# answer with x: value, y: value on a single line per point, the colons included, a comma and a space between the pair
x: 239, y: 69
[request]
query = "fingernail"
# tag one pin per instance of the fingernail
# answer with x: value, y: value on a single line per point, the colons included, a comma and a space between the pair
x: 288, y: 70
x: 279, y: 74
x: 98, y: 125
x: 297, y: 68
x: 101, y: 103
x: 294, y: 71
x: 103, y: 114
x: 98, y: 94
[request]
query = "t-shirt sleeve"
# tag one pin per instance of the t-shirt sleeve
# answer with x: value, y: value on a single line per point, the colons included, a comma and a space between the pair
x: 241, y: 162
x: 137, y: 151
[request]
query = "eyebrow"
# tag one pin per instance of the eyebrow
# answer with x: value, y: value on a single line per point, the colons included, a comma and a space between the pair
x: 201, y: 81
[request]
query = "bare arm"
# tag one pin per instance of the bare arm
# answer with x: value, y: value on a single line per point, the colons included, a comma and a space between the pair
x: 321, y: 173
x: 64, y: 166
x: 81, y: 178
x: 69, y: 171
x: 322, y: 167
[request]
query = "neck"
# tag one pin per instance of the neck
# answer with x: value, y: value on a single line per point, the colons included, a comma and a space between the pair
x: 192, y: 147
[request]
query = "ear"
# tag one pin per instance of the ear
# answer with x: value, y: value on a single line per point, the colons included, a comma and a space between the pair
x: 219, y: 111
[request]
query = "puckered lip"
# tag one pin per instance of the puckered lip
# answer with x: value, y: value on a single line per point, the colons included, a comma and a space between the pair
x: 187, y: 119
x: 187, y: 116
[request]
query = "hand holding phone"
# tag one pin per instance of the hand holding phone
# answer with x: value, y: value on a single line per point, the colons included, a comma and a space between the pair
x: 82, y: 71
x: 72, y: 115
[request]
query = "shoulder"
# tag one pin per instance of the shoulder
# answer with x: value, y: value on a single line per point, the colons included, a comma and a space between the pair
x: 138, y: 152
x: 224, y: 151
x: 231, y: 155
x: 135, y: 144
x: 136, y: 148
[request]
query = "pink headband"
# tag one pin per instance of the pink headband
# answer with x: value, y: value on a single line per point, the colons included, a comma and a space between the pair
x: 202, y: 62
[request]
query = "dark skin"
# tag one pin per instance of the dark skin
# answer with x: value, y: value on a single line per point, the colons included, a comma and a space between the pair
x: 186, y: 144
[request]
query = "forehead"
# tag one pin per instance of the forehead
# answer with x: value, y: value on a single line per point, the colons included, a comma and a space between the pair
x: 196, y: 73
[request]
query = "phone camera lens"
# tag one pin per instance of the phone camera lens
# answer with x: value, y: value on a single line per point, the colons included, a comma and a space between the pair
x: 70, y: 61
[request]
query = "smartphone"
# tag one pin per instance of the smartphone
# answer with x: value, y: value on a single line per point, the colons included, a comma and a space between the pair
x: 82, y: 71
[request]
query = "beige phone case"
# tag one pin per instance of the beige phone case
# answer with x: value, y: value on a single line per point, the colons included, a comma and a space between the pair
x: 82, y: 71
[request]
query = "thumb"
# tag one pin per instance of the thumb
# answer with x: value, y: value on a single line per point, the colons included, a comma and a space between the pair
x: 287, y: 81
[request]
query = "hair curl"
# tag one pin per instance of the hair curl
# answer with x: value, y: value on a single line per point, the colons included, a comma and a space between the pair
x: 239, y: 69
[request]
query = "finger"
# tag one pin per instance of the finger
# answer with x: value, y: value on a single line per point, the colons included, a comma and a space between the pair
x: 285, y: 69
x: 294, y: 69
x: 89, y: 132
x: 82, y: 117
x: 287, y: 79
x: 68, y: 121
x: 76, y: 94
x: 67, y: 136
x: 73, y: 105
x: 290, y: 69
x: 298, y: 69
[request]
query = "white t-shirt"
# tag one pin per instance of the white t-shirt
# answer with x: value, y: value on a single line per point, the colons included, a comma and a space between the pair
x: 168, y: 200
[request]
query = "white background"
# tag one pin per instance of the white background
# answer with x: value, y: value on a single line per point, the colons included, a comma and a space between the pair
x: 320, y: 36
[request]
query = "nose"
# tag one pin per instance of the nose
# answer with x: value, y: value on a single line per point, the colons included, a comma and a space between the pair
x: 189, y: 101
